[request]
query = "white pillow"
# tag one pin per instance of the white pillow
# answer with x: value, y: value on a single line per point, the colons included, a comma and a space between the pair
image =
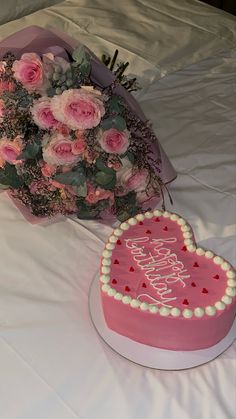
x: 14, y: 9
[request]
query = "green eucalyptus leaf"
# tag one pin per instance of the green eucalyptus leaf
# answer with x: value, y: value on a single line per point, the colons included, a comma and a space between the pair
x: 115, y: 104
x: 129, y: 199
x: 80, y: 190
x: 85, y: 69
x: 131, y: 157
x: 9, y: 177
x: 30, y: 151
x: 78, y: 54
x: 102, y: 167
x: 87, y: 213
x: 105, y: 180
x: 74, y: 178
x: 116, y: 122
x: 81, y: 58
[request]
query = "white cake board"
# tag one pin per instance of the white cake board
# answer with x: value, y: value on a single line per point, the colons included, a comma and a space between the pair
x: 149, y: 356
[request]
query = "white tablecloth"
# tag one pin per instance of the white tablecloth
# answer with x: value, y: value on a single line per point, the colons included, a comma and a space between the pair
x: 53, y: 365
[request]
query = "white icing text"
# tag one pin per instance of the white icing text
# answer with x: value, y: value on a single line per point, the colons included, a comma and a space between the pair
x: 161, y: 265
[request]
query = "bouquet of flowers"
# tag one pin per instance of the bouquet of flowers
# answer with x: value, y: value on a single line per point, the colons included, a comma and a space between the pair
x: 69, y: 145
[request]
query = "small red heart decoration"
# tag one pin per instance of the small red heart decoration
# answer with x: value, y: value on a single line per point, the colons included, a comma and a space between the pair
x: 114, y: 281
x: 165, y: 228
x: 157, y: 220
x: 184, y: 248
x: 185, y: 302
x: 193, y: 284
x: 127, y: 288
x: 148, y: 232
x: 144, y: 285
x: 118, y: 242
x: 195, y: 265
x: 116, y: 262
x: 131, y: 269
x: 140, y: 223
x: 204, y: 291
x: 216, y: 276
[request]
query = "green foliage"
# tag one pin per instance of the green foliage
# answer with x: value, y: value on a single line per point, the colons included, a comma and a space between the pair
x: 82, y: 60
x: 116, y: 122
x: 80, y: 190
x: 106, y: 176
x: 131, y: 157
x: 106, y: 180
x: 89, y: 212
x: 9, y: 177
x: 76, y: 178
x: 126, y: 206
x: 115, y: 104
x: 129, y: 199
x: 30, y: 151
x: 102, y: 167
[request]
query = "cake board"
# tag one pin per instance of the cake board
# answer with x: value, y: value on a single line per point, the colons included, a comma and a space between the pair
x: 149, y: 356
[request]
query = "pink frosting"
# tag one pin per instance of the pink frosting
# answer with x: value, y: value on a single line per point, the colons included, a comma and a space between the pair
x: 151, y: 263
x: 186, y: 276
x: 166, y: 332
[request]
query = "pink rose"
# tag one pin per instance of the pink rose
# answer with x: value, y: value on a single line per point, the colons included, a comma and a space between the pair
x: 129, y: 178
x: 114, y: 141
x: 2, y: 109
x: 78, y: 108
x: 98, y: 194
x: 42, y: 114
x: 78, y: 146
x: 10, y: 150
x: 6, y: 86
x: 138, y: 181
x: 29, y: 71
x: 58, y: 151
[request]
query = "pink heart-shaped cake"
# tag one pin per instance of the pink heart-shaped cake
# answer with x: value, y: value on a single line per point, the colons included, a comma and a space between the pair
x: 160, y: 289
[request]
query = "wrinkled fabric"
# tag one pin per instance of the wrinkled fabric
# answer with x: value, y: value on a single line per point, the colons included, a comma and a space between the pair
x: 156, y: 36
x: 53, y: 364
x: 14, y: 9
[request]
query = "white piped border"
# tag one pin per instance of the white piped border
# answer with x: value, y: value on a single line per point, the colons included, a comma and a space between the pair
x: 189, y: 242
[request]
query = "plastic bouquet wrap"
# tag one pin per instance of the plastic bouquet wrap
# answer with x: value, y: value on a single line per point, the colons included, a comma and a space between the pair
x: 72, y: 139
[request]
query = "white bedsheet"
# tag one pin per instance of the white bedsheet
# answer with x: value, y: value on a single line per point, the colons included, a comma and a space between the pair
x: 53, y: 365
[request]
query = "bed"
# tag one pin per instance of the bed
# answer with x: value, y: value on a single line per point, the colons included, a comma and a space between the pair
x: 53, y: 364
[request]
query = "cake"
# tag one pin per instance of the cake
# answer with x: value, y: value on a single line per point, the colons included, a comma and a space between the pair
x: 160, y: 289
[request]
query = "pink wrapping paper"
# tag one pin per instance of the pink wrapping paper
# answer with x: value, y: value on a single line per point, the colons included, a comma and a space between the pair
x: 39, y: 40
